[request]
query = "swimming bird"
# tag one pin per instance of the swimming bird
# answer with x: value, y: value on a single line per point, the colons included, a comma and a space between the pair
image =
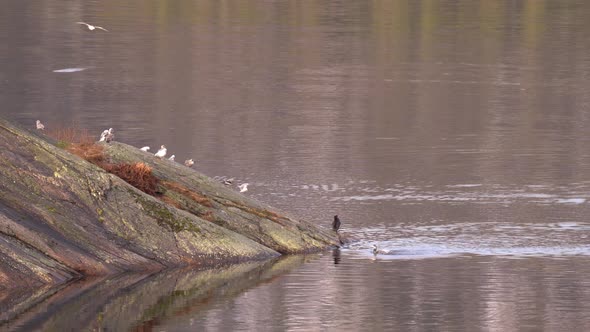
x: 145, y: 148
x: 228, y: 182
x: 189, y: 162
x: 336, y: 224
x: 375, y: 250
x: 40, y: 126
x: 172, y: 157
x: 92, y: 27
x: 243, y: 187
x: 161, y: 153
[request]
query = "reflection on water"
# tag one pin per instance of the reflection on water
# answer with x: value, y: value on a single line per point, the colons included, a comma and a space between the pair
x: 451, y: 133
x: 140, y: 302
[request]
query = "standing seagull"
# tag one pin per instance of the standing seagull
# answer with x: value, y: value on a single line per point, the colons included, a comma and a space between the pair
x: 145, y: 148
x: 103, y: 135
x: 40, y: 126
x: 336, y: 224
x: 172, y: 157
x: 189, y: 162
x: 161, y: 153
x: 92, y: 27
x: 110, y: 135
x: 243, y: 187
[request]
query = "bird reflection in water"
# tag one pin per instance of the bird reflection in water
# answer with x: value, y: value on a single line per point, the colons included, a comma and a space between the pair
x: 336, y: 255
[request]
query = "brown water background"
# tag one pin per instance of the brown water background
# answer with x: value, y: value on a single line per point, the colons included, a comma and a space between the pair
x: 452, y: 134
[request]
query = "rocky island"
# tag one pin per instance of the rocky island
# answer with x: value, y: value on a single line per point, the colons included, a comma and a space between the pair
x: 74, y: 209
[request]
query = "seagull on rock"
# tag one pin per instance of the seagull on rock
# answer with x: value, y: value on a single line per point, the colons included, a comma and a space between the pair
x: 92, y: 27
x: 40, y: 126
x: 243, y: 187
x: 107, y: 135
x: 110, y: 135
x: 172, y: 158
x: 145, y: 148
x: 189, y: 163
x: 161, y: 153
x: 103, y: 135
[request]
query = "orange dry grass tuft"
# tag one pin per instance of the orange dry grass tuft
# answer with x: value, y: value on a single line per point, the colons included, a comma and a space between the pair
x: 177, y: 187
x: 71, y: 135
x: 92, y: 152
x: 138, y: 175
x: 170, y: 201
x: 78, y: 142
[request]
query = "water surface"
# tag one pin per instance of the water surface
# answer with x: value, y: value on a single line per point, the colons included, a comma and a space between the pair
x: 452, y: 134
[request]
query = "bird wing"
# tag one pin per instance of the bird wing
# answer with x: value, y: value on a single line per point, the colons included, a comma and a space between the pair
x: 83, y: 23
x: 101, y: 28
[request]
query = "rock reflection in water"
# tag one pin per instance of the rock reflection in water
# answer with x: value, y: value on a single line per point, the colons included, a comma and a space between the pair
x: 139, y: 301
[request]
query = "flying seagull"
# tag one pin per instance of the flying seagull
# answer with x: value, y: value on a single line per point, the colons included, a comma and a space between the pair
x: 92, y: 27
x: 145, y: 148
x: 40, y: 126
x: 172, y: 158
x: 243, y: 187
x: 336, y: 224
x: 161, y: 153
x: 189, y: 162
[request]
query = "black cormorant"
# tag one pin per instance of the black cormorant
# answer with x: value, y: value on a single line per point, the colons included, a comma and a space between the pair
x: 336, y: 224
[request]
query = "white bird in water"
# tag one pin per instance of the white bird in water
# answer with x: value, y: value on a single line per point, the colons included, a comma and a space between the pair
x: 145, y: 148
x: 172, y: 158
x: 92, y: 27
x: 161, y: 153
x: 40, y: 126
x: 228, y: 182
x: 189, y: 162
x: 243, y: 187
x: 375, y: 249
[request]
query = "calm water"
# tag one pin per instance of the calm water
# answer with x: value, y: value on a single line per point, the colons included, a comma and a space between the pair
x: 452, y: 134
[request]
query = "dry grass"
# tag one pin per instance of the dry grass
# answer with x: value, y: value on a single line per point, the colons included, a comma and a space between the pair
x: 207, y: 216
x: 71, y: 135
x: 92, y: 152
x: 177, y: 187
x: 78, y: 142
x: 138, y: 175
x: 170, y: 201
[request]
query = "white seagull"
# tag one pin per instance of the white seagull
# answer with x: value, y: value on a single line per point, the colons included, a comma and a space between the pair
x: 103, y: 135
x: 161, y: 153
x: 243, y: 187
x: 145, y: 148
x: 171, y: 158
x: 228, y: 181
x: 40, y: 126
x: 92, y: 27
x: 110, y: 135
x: 189, y: 162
